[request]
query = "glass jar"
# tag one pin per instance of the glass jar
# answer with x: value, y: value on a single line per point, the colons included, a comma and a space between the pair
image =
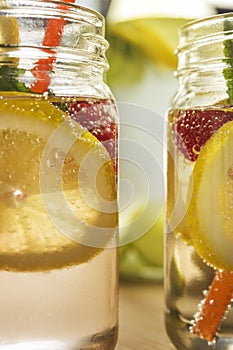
x: 199, y: 241
x: 58, y: 167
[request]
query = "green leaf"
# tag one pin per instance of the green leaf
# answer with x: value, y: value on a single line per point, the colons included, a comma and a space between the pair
x: 127, y: 64
x: 228, y: 53
x: 9, y: 79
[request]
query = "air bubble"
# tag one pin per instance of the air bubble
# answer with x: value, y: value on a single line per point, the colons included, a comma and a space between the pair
x: 230, y: 172
x: 60, y: 154
x: 205, y: 292
x: 187, y: 140
x: 57, y: 156
x: 212, y: 343
x: 52, y: 161
x: 196, y: 149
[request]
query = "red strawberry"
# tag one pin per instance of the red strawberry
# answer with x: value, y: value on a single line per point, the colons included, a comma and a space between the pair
x: 98, y: 117
x: 194, y: 127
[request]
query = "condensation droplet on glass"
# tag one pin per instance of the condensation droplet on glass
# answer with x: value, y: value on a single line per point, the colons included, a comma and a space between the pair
x: 60, y: 154
x: 52, y: 160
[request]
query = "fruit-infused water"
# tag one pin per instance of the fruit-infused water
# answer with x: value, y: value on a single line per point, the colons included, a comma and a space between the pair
x: 199, y: 281
x: 58, y: 223
x: 199, y: 239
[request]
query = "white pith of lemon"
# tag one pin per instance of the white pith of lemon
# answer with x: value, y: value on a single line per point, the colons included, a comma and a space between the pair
x: 210, y: 214
x: 29, y: 240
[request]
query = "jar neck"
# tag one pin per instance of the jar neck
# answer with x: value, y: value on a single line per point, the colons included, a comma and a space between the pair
x: 61, y: 40
x: 205, y: 64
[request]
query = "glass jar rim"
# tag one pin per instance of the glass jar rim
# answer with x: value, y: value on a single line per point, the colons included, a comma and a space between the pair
x: 213, y: 21
x: 86, y: 43
x: 72, y: 11
x: 207, y: 19
x: 201, y: 45
x: 204, y: 31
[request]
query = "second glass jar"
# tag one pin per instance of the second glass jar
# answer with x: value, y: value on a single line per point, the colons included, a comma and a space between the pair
x: 199, y: 240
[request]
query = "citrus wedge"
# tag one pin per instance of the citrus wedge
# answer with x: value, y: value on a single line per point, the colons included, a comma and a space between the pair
x: 42, y: 187
x: 210, y: 214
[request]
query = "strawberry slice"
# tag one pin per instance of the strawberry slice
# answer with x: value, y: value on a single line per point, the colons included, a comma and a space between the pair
x: 98, y: 117
x: 194, y: 127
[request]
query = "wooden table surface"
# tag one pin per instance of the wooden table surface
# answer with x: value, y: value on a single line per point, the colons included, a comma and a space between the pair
x: 141, y: 318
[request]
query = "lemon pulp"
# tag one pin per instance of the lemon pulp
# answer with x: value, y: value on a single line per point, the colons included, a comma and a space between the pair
x: 210, y: 214
x: 29, y: 239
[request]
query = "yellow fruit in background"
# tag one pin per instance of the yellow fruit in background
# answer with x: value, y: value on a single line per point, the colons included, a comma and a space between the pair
x: 156, y: 38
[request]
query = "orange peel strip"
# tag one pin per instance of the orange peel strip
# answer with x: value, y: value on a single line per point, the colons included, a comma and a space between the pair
x: 52, y: 37
x: 214, y: 306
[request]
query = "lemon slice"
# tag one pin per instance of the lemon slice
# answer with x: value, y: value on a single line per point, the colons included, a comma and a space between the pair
x: 9, y: 31
x: 40, y: 184
x: 9, y: 35
x: 210, y: 214
x: 156, y: 37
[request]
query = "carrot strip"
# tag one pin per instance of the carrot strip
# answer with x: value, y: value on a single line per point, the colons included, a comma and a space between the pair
x: 43, y: 66
x: 214, y: 307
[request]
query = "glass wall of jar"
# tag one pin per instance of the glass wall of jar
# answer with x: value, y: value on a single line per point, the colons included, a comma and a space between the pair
x: 58, y: 167
x: 199, y: 241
